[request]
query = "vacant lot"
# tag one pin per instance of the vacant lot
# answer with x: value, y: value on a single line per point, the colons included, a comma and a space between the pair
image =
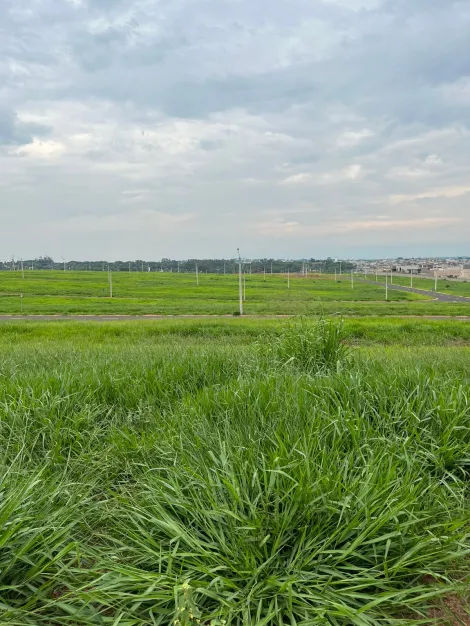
x: 158, y: 293
x: 232, y: 472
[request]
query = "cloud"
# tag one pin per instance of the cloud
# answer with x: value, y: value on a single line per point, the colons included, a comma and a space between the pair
x: 118, y: 222
x: 194, y: 126
x: 444, y: 192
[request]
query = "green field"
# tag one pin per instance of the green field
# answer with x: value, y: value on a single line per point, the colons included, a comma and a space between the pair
x: 238, y: 472
x: 51, y: 292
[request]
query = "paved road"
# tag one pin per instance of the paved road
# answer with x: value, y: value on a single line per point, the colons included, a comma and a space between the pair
x: 440, y: 297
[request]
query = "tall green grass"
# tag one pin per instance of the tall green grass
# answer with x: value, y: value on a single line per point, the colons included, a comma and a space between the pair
x: 184, y: 481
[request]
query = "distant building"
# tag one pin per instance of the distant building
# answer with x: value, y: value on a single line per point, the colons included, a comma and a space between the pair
x: 408, y: 269
x: 465, y: 271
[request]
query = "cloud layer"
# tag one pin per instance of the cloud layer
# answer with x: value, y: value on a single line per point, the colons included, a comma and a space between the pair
x: 181, y: 128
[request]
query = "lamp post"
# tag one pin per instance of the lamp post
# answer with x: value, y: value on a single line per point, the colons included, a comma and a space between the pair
x: 240, y: 286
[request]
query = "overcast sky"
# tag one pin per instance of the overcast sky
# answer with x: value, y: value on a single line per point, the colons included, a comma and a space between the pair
x: 187, y: 128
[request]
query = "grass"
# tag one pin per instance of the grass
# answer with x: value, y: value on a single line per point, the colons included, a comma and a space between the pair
x: 367, y: 331
x: 50, y: 292
x: 235, y: 472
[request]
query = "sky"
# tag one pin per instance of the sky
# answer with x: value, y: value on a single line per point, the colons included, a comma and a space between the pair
x: 188, y: 128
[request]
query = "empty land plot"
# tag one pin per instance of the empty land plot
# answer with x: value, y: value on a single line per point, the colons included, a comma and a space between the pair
x: 172, y: 294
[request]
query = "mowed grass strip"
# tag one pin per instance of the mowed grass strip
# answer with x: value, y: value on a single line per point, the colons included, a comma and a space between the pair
x: 199, y: 475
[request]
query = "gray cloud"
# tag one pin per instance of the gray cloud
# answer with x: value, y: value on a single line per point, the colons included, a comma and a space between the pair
x: 298, y: 128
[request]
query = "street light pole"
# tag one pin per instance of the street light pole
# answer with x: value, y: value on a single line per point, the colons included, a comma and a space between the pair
x: 386, y: 286
x: 352, y: 279
x: 240, y: 287
x: 197, y: 276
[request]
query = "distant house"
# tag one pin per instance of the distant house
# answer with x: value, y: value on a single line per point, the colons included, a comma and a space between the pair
x: 408, y: 269
x: 465, y: 271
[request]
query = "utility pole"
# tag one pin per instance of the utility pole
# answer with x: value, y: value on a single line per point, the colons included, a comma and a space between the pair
x: 435, y: 281
x: 197, y: 276
x: 129, y: 267
x: 110, y: 284
x: 224, y: 268
x: 340, y: 269
x: 352, y: 279
x: 386, y: 286
x: 411, y: 282
x: 244, y: 285
x: 22, y: 269
x: 264, y: 274
x: 391, y: 276
x: 271, y: 267
x: 240, y: 290
x: 335, y: 274
x: 288, y: 278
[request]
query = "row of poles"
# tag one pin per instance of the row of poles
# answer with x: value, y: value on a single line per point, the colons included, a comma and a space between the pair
x: 386, y: 280
x: 242, y: 279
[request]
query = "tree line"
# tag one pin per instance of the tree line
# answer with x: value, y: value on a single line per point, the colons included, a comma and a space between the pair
x: 211, y: 266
